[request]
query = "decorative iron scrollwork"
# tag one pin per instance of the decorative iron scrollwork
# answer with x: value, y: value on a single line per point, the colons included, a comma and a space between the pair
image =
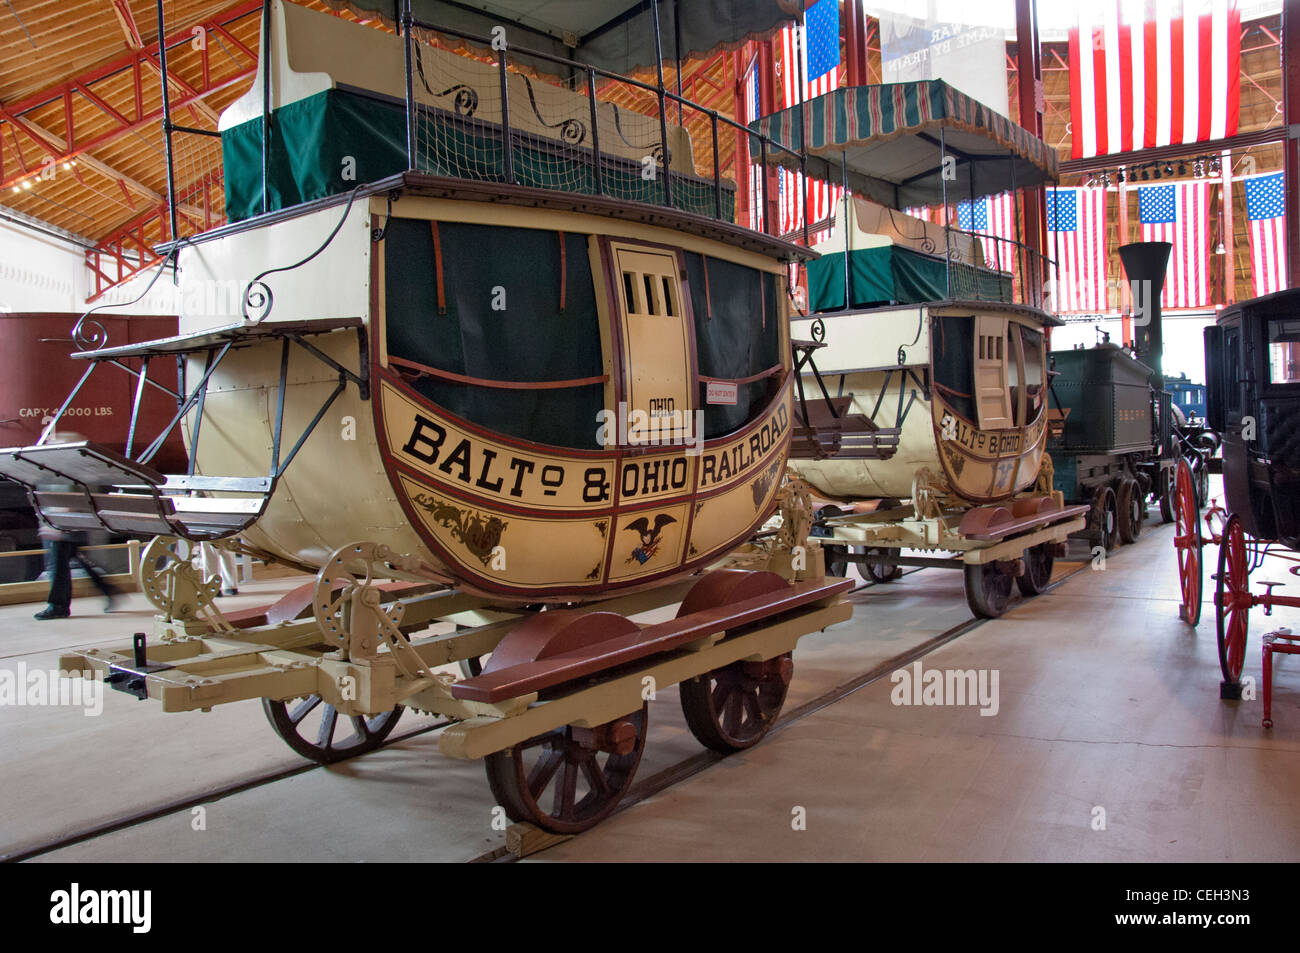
x: 257, y: 294
x: 573, y: 131
x: 818, y: 330
x: 465, y: 102
x: 89, y: 335
x: 258, y: 298
x: 661, y: 156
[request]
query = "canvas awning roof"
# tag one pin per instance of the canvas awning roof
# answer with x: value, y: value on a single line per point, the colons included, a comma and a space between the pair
x: 888, y: 137
x: 616, y: 35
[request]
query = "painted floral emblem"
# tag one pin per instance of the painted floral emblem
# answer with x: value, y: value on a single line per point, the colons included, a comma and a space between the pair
x: 480, y: 533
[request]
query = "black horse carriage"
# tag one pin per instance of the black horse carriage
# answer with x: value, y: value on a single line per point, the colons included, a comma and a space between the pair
x: 1252, y: 358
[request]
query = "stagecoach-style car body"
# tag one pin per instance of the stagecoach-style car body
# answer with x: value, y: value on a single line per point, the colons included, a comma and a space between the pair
x: 921, y: 411
x: 1252, y: 387
x: 534, y: 389
x: 1252, y: 366
x: 524, y: 382
x: 958, y: 387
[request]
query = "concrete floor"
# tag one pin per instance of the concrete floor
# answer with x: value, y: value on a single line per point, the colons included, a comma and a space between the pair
x: 1107, y: 703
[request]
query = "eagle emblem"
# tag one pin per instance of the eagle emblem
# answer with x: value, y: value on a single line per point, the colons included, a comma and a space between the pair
x: 649, y: 536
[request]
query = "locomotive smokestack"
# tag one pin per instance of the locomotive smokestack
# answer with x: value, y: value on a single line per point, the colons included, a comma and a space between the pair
x: 1145, y: 263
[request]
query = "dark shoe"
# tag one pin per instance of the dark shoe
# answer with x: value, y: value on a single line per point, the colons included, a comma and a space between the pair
x: 110, y: 602
x: 230, y: 592
x: 49, y: 612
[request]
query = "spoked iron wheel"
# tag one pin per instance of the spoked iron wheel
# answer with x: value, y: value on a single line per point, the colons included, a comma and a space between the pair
x: 314, y: 729
x: 1232, y: 601
x: 733, y: 707
x: 1187, y: 543
x: 988, y: 590
x: 569, y: 779
x: 1038, y: 569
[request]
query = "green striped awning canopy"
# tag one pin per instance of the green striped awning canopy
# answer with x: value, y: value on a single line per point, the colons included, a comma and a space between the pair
x: 891, y: 141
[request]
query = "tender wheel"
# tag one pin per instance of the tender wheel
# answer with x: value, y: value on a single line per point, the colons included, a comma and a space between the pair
x: 1168, y: 490
x: 881, y: 565
x: 837, y: 563
x: 1105, y: 517
x: 1232, y: 601
x: 1187, y: 543
x: 581, y: 773
x: 313, y: 728
x: 732, y: 708
x: 987, y: 590
x: 1038, y: 569
x: 837, y: 560
x: 1132, y: 510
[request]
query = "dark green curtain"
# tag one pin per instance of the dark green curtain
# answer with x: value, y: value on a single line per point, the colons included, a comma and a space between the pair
x: 503, y: 321
x: 953, y: 348
x: 736, y: 335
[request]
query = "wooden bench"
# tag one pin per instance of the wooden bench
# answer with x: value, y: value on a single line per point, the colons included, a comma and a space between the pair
x: 834, y: 432
x: 144, y: 501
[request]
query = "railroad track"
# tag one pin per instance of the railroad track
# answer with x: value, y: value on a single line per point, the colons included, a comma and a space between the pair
x: 649, y: 787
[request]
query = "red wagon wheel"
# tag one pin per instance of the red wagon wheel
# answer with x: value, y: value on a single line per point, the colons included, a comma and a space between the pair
x: 733, y: 707
x: 582, y: 772
x: 1233, y: 601
x: 1187, y: 543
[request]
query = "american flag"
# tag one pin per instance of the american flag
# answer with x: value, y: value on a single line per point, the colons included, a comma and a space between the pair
x: 756, y: 170
x: 819, y: 41
x: 995, y: 217
x: 1153, y: 74
x: 1266, y: 212
x: 1076, y: 226
x: 928, y: 213
x: 1176, y: 213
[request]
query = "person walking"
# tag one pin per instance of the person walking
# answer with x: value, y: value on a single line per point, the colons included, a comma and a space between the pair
x: 61, y: 550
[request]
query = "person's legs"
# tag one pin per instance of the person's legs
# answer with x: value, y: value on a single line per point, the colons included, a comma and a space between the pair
x: 57, y: 565
x: 96, y: 577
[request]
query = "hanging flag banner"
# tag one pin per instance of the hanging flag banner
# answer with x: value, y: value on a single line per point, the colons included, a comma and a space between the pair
x: 994, y: 218
x: 809, y: 66
x: 1146, y: 75
x: 1076, y: 237
x: 1266, y: 213
x: 1178, y: 213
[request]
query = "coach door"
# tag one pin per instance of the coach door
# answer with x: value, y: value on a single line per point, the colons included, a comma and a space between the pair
x: 656, y: 347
